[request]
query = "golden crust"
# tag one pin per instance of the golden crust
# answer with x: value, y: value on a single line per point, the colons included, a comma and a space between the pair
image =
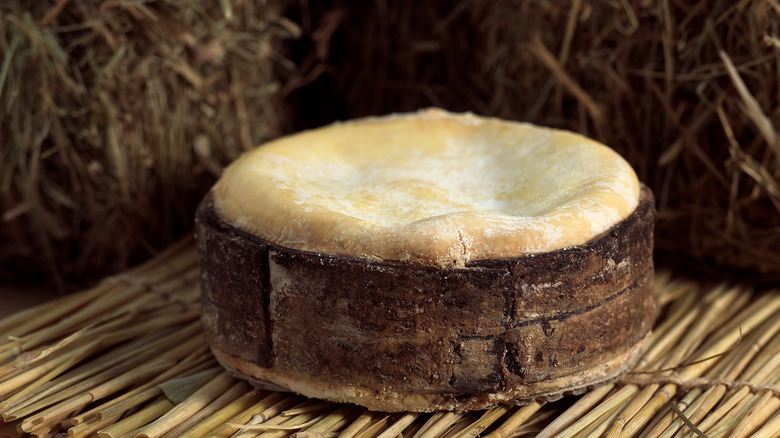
x: 432, y: 188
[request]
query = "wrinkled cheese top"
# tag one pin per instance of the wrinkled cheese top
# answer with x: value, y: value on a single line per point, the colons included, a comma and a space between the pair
x: 430, y: 187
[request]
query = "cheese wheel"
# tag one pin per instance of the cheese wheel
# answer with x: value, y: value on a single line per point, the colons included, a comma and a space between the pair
x: 427, y: 261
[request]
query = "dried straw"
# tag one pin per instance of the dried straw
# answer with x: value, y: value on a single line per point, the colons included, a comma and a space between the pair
x: 116, y: 116
x: 712, y: 368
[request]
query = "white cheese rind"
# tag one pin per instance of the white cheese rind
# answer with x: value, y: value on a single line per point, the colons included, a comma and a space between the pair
x: 430, y: 187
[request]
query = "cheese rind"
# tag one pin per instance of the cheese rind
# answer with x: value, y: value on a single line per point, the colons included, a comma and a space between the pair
x: 431, y: 187
x: 388, y: 400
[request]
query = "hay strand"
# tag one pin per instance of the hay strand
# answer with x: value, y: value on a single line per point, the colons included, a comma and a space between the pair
x: 188, y: 407
x: 224, y: 415
x: 138, y: 420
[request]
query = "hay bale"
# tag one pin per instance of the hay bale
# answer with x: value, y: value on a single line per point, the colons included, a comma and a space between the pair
x: 116, y: 116
x: 659, y: 81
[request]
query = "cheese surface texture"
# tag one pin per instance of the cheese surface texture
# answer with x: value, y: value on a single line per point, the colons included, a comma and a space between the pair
x: 430, y: 187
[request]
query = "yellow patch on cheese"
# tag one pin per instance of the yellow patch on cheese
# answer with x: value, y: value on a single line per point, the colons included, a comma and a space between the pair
x: 430, y: 187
